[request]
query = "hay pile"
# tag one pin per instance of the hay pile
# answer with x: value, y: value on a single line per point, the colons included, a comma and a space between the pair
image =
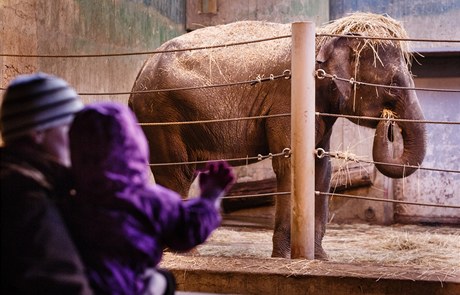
x: 404, y: 245
x: 370, y: 25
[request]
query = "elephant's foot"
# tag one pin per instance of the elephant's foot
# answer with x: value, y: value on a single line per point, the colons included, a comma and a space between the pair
x: 320, y: 254
x: 277, y: 253
x: 281, y: 244
x: 282, y: 249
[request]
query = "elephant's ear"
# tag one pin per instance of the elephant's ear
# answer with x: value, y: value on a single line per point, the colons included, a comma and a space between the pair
x: 326, y: 50
x: 337, y: 52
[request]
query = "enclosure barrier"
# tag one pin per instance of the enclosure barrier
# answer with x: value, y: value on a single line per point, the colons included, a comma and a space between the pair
x: 299, y: 209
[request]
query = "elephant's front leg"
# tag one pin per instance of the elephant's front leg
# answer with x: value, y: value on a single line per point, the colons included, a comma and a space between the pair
x: 282, y: 229
x: 322, y: 183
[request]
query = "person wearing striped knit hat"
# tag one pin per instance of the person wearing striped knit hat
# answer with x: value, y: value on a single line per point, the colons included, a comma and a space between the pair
x: 37, y: 253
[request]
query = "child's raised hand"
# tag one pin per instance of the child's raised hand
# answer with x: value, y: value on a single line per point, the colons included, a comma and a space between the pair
x: 216, y: 180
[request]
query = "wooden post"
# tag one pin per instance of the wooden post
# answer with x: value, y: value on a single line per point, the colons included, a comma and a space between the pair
x: 303, y: 141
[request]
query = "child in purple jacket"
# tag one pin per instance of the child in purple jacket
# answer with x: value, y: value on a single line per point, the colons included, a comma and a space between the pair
x: 119, y: 221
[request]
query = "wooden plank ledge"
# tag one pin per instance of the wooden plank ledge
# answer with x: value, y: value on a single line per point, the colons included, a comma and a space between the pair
x: 283, y: 276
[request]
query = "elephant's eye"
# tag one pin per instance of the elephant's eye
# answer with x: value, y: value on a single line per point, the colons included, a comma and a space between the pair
x: 390, y: 90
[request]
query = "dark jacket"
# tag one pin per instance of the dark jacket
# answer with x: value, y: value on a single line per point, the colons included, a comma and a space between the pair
x: 37, y: 254
x: 120, y: 222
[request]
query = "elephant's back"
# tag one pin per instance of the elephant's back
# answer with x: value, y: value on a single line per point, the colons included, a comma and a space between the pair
x: 246, y: 60
x: 236, y: 32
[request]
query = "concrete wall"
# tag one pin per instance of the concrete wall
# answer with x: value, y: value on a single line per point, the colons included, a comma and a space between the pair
x: 442, y: 152
x: 214, y: 12
x: 63, y: 27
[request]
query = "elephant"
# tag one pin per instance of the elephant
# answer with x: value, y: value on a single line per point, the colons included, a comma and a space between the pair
x: 379, y: 62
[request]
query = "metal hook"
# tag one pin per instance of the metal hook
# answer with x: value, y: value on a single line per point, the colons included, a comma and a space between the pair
x: 287, y: 152
x: 320, y: 74
x: 287, y: 74
x: 320, y: 153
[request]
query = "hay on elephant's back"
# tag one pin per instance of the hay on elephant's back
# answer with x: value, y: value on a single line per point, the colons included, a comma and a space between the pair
x: 222, y: 60
x: 370, y: 25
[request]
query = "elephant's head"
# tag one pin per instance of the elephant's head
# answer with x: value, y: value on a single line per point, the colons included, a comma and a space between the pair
x: 382, y: 63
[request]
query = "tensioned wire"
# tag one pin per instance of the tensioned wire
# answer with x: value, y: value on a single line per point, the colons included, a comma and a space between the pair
x: 221, y: 46
x: 318, y: 193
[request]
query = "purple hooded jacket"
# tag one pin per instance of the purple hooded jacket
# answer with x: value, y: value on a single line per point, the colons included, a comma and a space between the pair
x: 120, y: 223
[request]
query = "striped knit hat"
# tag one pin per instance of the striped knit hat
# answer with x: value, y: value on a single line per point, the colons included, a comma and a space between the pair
x: 36, y: 102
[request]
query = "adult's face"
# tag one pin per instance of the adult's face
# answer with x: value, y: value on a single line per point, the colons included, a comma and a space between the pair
x: 55, y: 142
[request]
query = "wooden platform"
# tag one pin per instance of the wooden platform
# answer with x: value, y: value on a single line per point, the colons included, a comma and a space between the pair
x: 236, y: 261
x: 282, y: 276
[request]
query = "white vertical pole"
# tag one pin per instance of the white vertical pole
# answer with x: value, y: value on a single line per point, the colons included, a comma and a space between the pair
x: 303, y: 141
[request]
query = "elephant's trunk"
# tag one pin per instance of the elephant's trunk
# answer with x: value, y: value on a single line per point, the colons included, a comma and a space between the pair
x: 414, y: 141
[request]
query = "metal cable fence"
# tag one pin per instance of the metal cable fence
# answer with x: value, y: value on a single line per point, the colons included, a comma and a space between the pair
x: 320, y: 74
